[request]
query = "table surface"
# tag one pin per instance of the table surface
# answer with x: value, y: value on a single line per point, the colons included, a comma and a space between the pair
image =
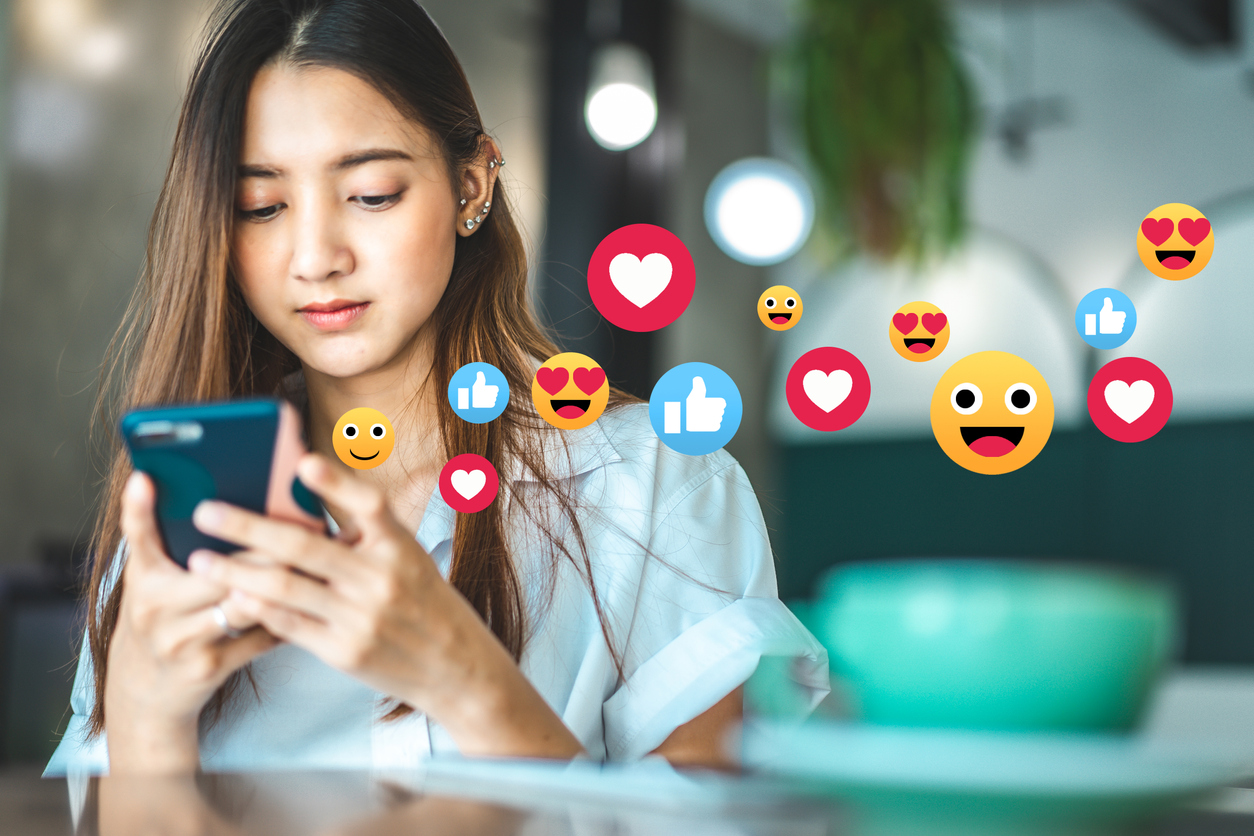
x: 486, y: 801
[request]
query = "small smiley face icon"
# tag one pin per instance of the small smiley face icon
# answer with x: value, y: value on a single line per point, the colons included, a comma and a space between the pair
x: 570, y: 390
x: 919, y: 331
x: 992, y: 412
x: 363, y: 438
x: 1175, y: 241
x: 779, y: 307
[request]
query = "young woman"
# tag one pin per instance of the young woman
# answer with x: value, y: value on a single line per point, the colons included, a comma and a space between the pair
x: 332, y: 229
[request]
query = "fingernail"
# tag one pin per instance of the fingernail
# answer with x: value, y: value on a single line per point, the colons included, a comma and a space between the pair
x: 199, y: 562
x: 134, y: 485
x: 207, y: 514
x: 239, y: 595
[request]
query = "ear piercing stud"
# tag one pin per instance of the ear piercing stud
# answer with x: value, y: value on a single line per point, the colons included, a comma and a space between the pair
x: 470, y: 222
x: 487, y: 204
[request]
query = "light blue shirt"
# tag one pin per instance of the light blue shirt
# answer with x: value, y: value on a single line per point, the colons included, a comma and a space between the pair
x: 684, y: 572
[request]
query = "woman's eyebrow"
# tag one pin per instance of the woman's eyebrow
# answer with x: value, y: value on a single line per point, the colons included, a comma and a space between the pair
x: 344, y: 163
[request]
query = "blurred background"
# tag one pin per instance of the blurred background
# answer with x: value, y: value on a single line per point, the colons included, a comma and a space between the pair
x: 994, y: 157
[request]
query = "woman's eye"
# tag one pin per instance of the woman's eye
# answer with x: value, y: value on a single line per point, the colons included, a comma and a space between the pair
x: 263, y: 214
x: 385, y: 200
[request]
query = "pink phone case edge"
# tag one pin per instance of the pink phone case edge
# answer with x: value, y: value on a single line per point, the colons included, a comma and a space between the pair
x: 288, y: 448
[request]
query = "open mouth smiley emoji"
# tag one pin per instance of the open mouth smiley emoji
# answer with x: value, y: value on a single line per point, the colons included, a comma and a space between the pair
x: 1175, y: 241
x: 570, y: 390
x: 779, y: 307
x: 363, y: 438
x: 992, y: 412
x: 919, y: 331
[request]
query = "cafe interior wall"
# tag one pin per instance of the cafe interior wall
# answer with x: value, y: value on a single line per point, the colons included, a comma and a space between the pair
x: 1121, y: 119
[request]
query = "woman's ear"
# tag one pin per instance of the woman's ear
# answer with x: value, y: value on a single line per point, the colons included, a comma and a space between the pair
x: 476, y: 184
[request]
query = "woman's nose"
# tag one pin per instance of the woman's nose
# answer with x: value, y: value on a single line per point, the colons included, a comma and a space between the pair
x: 320, y: 244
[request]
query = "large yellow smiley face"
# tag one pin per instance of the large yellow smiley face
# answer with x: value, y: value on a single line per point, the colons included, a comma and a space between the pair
x: 1175, y: 241
x: 363, y: 438
x: 779, y: 307
x: 919, y: 331
x: 570, y: 390
x: 992, y: 412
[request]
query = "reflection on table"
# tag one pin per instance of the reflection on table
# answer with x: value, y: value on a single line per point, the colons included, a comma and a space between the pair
x: 471, y: 798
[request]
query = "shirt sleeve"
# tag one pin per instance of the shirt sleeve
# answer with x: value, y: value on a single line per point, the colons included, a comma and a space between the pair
x: 706, y: 611
x: 76, y: 754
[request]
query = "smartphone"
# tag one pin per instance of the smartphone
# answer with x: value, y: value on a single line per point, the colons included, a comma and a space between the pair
x: 242, y: 451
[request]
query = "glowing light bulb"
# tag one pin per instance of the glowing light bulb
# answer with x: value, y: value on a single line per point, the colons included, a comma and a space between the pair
x: 621, y: 107
x: 759, y: 210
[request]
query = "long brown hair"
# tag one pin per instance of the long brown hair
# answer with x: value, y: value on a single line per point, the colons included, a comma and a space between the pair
x: 188, y: 335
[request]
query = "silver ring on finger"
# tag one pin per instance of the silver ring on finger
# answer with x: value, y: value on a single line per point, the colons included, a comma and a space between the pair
x: 219, y: 615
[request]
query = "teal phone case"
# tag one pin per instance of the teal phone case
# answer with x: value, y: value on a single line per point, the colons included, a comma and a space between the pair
x: 222, y: 450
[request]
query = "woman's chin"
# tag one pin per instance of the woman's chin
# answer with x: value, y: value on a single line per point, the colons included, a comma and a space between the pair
x: 354, y: 362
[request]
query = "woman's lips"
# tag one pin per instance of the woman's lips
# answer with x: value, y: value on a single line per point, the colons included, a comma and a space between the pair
x: 335, y: 320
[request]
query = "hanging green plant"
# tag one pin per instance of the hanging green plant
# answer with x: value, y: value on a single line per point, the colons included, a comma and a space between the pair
x: 888, y: 121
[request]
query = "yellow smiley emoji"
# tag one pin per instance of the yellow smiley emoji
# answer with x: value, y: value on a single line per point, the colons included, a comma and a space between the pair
x: 570, y: 390
x: 779, y: 307
x: 992, y: 412
x: 363, y: 438
x: 1175, y: 241
x: 919, y: 331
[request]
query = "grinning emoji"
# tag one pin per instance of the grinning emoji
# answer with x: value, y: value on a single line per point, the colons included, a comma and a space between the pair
x: 1175, y: 241
x: 570, y: 390
x: 779, y: 307
x: 992, y: 412
x: 363, y: 438
x: 919, y: 331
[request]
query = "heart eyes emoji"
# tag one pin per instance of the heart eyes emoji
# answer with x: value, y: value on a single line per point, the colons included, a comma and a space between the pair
x: 1175, y: 241
x: 915, y: 343
x: 1158, y: 230
x: 570, y: 390
x: 587, y: 380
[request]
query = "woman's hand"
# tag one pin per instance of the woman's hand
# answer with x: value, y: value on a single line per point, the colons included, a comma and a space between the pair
x: 373, y: 604
x: 167, y: 655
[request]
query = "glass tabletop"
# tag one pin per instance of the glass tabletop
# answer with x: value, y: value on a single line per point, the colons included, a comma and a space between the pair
x: 503, y: 799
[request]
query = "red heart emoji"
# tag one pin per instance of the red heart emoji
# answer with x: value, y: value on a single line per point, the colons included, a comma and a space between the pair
x: 589, y: 380
x: 552, y: 380
x: 1157, y: 231
x: 1194, y: 230
x: 934, y: 323
x: 905, y: 322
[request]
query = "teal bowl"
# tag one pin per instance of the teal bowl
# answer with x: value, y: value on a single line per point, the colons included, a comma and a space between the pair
x: 996, y: 644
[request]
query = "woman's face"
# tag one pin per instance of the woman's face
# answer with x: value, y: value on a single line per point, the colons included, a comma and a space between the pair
x: 345, y: 220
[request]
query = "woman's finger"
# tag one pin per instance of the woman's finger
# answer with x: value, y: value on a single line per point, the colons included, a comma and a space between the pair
x: 200, y: 626
x: 366, y: 504
x: 288, y: 542
x: 178, y: 593
x: 240, y: 651
x: 290, y: 625
x: 277, y: 584
x: 139, y: 524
